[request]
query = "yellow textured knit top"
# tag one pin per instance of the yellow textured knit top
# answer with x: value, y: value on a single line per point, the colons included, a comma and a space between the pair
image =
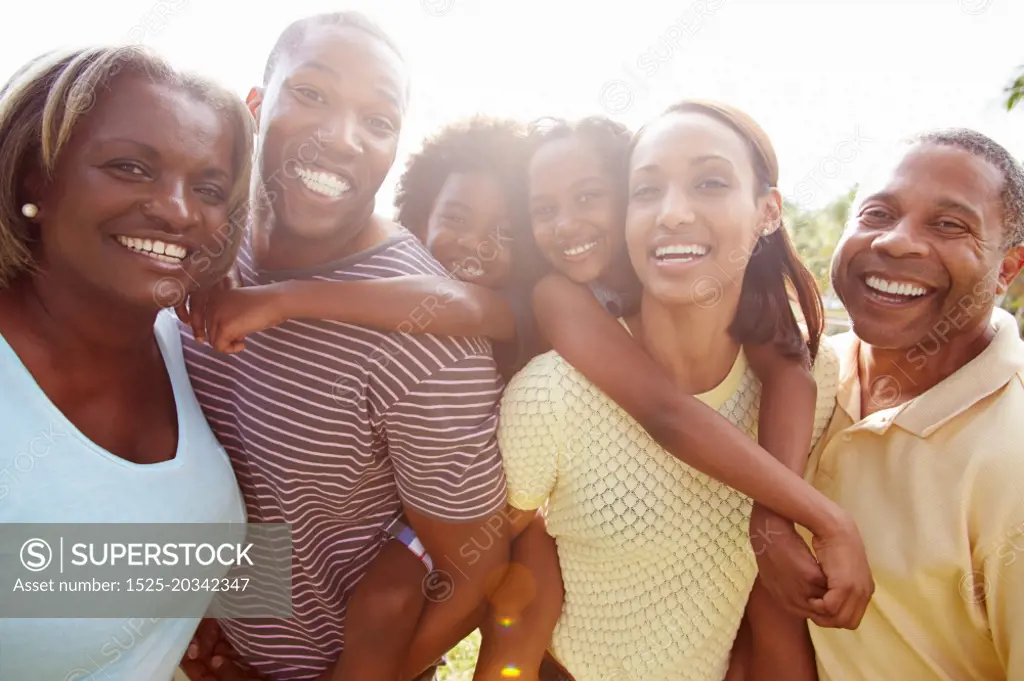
x: 655, y: 556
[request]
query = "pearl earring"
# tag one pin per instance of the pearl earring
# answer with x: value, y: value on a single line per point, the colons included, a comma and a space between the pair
x: 769, y: 230
x: 30, y: 210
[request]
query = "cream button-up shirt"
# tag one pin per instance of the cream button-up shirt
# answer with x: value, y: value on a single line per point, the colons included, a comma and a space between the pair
x: 936, y: 486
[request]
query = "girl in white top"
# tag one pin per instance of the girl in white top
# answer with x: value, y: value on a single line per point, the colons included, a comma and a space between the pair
x: 122, y: 183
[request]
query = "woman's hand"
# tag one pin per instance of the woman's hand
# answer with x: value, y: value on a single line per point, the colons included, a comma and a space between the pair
x: 844, y: 561
x: 786, y: 566
x: 234, y: 313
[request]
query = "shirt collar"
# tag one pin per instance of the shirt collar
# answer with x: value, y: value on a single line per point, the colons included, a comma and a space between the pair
x: 984, y: 375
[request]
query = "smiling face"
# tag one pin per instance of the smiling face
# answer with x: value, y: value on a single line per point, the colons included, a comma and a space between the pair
x: 923, y: 247
x: 576, y: 208
x: 140, y: 189
x: 695, y: 208
x: 468, y: 229
x: 329, y: 125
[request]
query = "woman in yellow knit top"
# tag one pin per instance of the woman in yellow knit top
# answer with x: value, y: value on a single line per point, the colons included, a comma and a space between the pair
x: 655, y: 556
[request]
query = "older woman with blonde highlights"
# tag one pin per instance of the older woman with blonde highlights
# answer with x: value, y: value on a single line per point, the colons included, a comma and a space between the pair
x: 120, y: 182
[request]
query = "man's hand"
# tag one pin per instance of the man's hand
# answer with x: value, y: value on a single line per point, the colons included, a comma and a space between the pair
x: 234, y: 313
x: 786, y: 566
x: 844, y: 561
x: 226, y: 671
x: 210, y: 657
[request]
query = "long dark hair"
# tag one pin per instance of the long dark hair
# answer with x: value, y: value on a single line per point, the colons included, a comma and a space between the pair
x: 775, y: 274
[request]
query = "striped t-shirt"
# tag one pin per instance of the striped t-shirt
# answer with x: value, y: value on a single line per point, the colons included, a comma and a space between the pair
x: 332, y: 428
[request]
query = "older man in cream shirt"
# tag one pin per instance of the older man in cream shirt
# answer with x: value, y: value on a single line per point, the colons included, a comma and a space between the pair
x: 924, y: 447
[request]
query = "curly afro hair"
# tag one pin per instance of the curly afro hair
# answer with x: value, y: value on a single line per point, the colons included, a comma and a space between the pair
x: 479, y: 144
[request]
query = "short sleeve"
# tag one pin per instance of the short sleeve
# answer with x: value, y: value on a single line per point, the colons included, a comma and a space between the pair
x: 826, y: 377
x: 532, y: 432
x: 442, y: 440
x: 999, y: 582
x: 996, y: 519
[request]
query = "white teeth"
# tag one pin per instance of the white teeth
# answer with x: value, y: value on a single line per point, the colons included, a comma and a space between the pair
x: 680, y: 249
x: 895, y: 287
x: 154, y: 248
x: 327, y: 184
x: 579, y: 250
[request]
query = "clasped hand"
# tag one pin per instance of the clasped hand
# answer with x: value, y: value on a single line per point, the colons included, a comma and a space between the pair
x: 832, y: 590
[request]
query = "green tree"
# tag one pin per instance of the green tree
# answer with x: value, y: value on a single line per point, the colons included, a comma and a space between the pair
x: 1014, y: 299
x: 1015, y: 91
x: 816, y: 232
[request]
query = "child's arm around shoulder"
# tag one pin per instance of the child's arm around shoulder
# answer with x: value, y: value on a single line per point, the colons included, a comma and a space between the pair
x: 576, y: 325
x: 789, y: 397
x: 408, y: 304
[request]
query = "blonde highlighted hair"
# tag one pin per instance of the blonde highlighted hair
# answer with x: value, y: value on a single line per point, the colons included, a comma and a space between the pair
x: 43, y: 102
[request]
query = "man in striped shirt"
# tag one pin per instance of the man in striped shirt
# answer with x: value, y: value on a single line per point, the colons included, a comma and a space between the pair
x: 334, y: 428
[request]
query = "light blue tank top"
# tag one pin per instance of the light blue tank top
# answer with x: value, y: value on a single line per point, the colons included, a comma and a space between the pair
x: 51, y: 473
